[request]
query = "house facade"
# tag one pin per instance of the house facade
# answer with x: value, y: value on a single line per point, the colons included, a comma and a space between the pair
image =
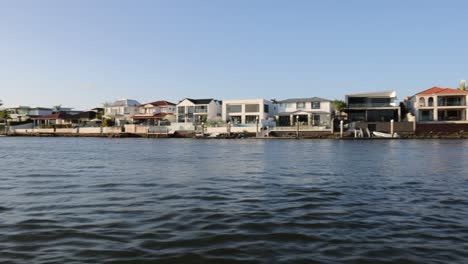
x: 156, y: 113
x: 314, y: 111
x: 373, y: 107
x: 440, y: 105
x: 249, y: 111
x: 196, y: 111
x: 24, y: 113
x: 121, y: 111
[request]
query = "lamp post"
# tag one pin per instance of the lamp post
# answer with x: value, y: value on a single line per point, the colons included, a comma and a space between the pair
x: 203, y: 129
x: 229, y: 128
x: 256, y: 121
x: 297, y: 126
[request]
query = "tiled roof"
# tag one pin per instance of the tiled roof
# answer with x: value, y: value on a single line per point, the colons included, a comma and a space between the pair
x: 304, y: 100
x: 159, y: 103
x: 439, y: 90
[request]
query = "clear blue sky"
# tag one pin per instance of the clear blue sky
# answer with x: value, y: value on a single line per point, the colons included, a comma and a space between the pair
x: 85, y: 52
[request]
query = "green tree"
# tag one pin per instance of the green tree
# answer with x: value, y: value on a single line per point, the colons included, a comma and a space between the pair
x: 339, y: 105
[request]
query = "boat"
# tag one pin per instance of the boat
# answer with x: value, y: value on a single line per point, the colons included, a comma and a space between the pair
x: 384, y: 135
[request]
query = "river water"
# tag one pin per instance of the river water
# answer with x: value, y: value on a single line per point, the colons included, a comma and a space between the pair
x: 96, y: 200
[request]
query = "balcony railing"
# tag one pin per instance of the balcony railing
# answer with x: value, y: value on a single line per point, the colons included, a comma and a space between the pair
x: 451, y: 104
x: 370, y: 105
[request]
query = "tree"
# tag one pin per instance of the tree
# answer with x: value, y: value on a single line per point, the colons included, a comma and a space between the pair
x: 339, y: 105
x: 4, y: 115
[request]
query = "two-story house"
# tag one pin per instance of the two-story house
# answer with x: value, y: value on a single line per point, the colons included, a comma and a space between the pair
x: 373, y: 107
x: 314, y: 111
x: 249, y: 112
x: 121, y: 111
x: 24, y: 113
x: 156, y: 113
x: 440, y: 105
x: 197, y: 111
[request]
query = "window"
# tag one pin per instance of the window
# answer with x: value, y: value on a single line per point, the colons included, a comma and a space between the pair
x: 252, y: 108
x: 266, y: 108
x: 201, y: 109
x: 190, y: 109
x: 431, y: 101
x: 316, y: 120
x: 251, y: 119
x: 181, y: 109
x: 300, y: 105
x: 181, y: 118
x: 315, y: 105
x: 234, y: 108
x: 236, y: 119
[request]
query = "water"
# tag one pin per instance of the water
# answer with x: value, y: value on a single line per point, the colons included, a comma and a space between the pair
x: 85, y: 200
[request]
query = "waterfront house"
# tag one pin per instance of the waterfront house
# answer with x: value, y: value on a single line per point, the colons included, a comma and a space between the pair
x: 249, y: 111
x: 77, y: 118
x: 314, y: 111
x: 25, y: 113
x: 373, y: 107
x: 155, y: 113
x: 440, y: 105
x: 121, y: 111
x: 196, y: 111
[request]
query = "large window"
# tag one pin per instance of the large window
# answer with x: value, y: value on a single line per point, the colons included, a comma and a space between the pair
x: 181, y: 109
x: 252, y: 108
x: 201, y: 109
x: 315, y: 105
x: 190, y: 109
x: 316, y: 120
x: 300, y: 105
x: 266, y: 108
x: 234, y: 108
x: 251, y: 119
x: 236, y: 119
x: 181, y: 118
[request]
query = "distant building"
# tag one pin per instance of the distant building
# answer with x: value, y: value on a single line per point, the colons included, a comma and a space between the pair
x: 440, y: 105
x: 121, y: 111
x: 373, y: 107
x: 25, y: 113
x: 156, y: 112
x: 196, y: 111
x: 64, y: 118
x: 314, y: 111
x: 248, y: 111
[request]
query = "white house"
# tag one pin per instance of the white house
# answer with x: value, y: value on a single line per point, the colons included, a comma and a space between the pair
x: 121, y: 111
x: 195, y: 111
x: 312, y: 111
x: 155, y: 113
x: 440, y: 105
x: 249, y: 111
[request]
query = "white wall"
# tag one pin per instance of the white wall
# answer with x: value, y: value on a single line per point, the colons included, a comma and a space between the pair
x: 261, y: 113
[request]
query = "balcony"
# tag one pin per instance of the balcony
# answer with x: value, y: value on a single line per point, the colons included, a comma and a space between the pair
x: 364, y: 105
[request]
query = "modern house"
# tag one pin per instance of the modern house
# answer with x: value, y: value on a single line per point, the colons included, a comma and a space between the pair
x: 373, y: 107
x: 314, y: 111
x: 24, y: 113
x: 121, y: 111
x: 63, y: 119
x: 196, y: 111
x: 440, y: 105
x: 156, y: 113
x: 249, y: 111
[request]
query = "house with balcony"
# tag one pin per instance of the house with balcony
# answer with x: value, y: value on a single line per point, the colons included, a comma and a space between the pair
x: 197, y: 111
x: 373, y: 107
x: 156, y: 113
x: 121, y: 111
x: 442, y: 105
x: 313, y: 111
x: 249, y: 112
x: 25, y: 113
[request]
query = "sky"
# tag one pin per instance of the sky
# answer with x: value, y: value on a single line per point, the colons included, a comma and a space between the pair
x: 82, y: 53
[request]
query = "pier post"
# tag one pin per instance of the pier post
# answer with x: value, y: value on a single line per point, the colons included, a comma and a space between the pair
x: 341, y: 128
x: 392, y: 127
x: 229, y: 128
x: 297, y: 126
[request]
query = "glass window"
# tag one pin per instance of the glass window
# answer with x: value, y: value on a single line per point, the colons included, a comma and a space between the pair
x: 315, y: 105
x: 236, y: 119
x: 266, y: 108
x: 201, y: 109
x: 181, y: 109
x: 234, y: 108
x: 251, y: 119
x: 252, y: 108
x: 190, y: 109
x: 300, y: 105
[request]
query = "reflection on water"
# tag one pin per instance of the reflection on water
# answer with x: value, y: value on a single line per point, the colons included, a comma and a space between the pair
x: 66, y: 200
